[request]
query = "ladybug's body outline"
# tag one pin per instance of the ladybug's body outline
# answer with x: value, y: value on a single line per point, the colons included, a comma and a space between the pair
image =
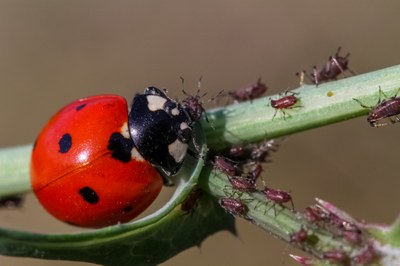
x: 88, y: 171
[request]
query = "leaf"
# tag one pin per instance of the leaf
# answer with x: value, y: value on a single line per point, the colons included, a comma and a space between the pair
x: 138, y: 243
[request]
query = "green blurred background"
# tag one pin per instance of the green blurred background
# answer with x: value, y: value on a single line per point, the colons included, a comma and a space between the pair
x: 52, y: 52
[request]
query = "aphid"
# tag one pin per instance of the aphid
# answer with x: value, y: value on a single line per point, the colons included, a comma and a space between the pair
x: 233, y: 206
x: 249, y: 92
x: 243, y: 184
x: 342, y: 224
x: 336, y: 256
x: 239, y: 152
x: 365, y: 257
x: 299, y: 236
x: 314, y: 214
x: 303, y: 260
x: 261, y: 151
x: 11, y: 202
x: 225, y: 165
x: 255, y: 170
x: 353, y: 237
x: 191, y: 201
x: 252, y: 152
x: 287, y: 101
x: 384, y: 109
x: 278, y: 196
x: 192, y: 103
x: 334, y: 67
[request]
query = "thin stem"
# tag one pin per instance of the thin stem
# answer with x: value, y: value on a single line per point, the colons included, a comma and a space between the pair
x: 14, y: 170
x: 326, y: 104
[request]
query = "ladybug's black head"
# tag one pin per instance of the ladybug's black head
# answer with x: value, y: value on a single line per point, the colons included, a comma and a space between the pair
x: 161, y: 129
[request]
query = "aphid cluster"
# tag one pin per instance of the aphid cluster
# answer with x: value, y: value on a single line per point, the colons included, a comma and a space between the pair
x: 242, y: 164
x: 326, y: 216
x: 336, y: 65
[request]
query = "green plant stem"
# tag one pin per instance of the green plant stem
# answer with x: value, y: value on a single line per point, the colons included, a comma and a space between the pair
x: 252, y: 121
x: 282, y: 221
x: 14, y: 170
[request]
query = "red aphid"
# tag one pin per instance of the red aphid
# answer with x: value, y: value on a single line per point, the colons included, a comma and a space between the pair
x: 315, y: 214
x: 255, y: 171
x: 261, y: 151
x: 353, y: 237
x: 233, y: 206
x: 278, y: 196
x: 336, y: 256
x: 225, y: 165
x: 335, y: 66
x: 249, y: 92
x: 299, y: 236
x: 243, y: 184
x: 365, y: 257
x: 389, y: 108
x: 193, y: 104
x: 285, y: 102
x: 190, y: 203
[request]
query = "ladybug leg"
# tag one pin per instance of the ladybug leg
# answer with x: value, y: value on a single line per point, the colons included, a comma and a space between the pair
x: 194, y: 154
x: 166, y: 181
x: 185, y: 134
x: 314, y: 76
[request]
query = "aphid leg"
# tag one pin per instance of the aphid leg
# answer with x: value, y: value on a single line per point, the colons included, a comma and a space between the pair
x: 276, y: 111
x: 334, y: 60
x: 314, y: 76
x: 362, y: 105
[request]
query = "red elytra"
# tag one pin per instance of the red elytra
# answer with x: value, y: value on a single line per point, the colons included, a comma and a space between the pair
x: 84, y: 168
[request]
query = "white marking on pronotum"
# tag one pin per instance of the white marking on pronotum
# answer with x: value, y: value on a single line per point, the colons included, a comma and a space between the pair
x: 155, y: 102
x: 177, y: 150
x: 136, y: 155
x: 183, y: 125
x: 134, y: 152
x: 175, y: 111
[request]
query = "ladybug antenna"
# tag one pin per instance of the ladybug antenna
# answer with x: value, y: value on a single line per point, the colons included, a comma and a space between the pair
x: 199, y: 83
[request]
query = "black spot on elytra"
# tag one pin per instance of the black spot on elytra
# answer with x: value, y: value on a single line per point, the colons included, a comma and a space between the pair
x: 80, y: 107
x: 120, y: 147
x: 127, y: 209
x: 65, y: 143
x: 89, y: 195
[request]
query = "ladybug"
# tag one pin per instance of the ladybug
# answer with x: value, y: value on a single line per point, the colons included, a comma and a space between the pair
x: 95, y: 165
